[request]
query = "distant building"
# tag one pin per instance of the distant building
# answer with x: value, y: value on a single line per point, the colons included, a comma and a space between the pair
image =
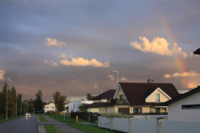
x: 50, y: 107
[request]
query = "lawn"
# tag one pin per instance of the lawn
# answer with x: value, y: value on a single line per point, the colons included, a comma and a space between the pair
x: 4, y: 120
x: 42, y: 118
x: 89, y: 129
x: 60, y: 118
x: 51, y: 129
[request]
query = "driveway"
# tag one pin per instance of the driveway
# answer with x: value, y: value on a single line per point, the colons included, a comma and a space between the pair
x: 22, y: 124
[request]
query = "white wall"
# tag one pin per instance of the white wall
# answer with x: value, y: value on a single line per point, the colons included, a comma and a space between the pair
x: 49, y: 107
x: 144, y: 126
x: 176, y: 113
x: 180, y: 127
x: 121, y: 124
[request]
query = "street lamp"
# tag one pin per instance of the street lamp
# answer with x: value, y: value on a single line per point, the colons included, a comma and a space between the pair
x: 117, y: 76
x: 7, y: 103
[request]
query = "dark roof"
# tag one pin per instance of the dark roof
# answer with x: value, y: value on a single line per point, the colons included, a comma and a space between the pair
x: 137, y: 92
x: 106, y: 95
x: 182, y: 96
x: 197, y: 51
x: 96, y: 105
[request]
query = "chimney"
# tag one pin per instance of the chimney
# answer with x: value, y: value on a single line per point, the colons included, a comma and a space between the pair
x: 150, y: 81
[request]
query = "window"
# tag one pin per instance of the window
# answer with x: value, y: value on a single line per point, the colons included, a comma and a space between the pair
x: 157, y: 110
x: 137, y: 110
x: 194, y: 106
x: 121, y: 97
x: 157, y: 98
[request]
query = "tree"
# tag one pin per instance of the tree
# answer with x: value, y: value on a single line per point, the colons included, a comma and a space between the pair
x: 59, y: 101
x: 89, y: 96
x: 83, y: 108
x: 38, y: 104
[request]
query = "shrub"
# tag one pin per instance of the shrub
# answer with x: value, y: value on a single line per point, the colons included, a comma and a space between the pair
x: 115, y: 114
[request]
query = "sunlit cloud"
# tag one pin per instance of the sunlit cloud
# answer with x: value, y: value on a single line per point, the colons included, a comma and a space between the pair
x: 52, y: 63
x: 53, y: 82
x: 184, y: 74
x: 95, y: 86
x: 46, y: 61
x: 158, y: 46
x: 79, y: 61
x: 9, y: 79
x: 192, y: 85
x: 65, y: 56
x: 123, y: 78
x: 54, y: 42
x: 2, y: 72
x: 111, y: 77
x: 74, y: 81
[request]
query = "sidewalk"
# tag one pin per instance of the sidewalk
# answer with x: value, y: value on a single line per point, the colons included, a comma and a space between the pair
x: 63, y: 127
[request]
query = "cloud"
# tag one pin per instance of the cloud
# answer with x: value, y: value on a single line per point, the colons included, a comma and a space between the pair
x: 95, y: 86
x: 9, y: 79
x: 111, y: 77
x: 192, y: 85
x: 79, y: 61
x: 52, y: 63
x: 46, y: 61
x: 53, y: 82
x: 65, y: 56
x: 123, y: 78
x: 54, y: 42
x: 74, y: 81
x: 184, y: 74
x: 2, y: 72
x: 158, y: 46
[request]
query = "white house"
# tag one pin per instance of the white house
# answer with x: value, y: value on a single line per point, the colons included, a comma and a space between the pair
x: 74, y: 106
x: 49, y: 107
x: 185, y: 107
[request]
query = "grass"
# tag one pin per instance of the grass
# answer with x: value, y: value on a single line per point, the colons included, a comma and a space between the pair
x: 42, y: 118
x: 51, y: 129
x: 4, y: 120
x: 89, y: 129
x: 60, y: 118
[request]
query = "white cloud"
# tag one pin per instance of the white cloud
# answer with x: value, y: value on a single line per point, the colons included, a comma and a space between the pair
x: 9, y: 79
x: 79, y: 61
x: 53, y: 63
x: 111, y: 77
x: 184, y: 74
x: 123, y: 78
x: 159, y: 46
x: 2, y: 72
x: 65, y: 56
x: 192, y: 85
x: 54, y: 42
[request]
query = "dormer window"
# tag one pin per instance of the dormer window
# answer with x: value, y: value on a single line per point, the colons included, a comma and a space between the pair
x: 121, y: 97
x: 157, y: 98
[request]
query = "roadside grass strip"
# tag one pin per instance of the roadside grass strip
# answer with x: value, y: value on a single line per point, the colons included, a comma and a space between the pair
x: 89, y: 129
x: 51, y: 129
x: 4, y: 120
x: 42, y: 118
x: 60, y: 118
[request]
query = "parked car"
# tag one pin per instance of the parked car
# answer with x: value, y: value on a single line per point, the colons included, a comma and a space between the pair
x: 28, y: 114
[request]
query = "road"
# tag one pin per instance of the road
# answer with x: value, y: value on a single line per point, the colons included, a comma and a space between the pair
x: 22, y: 124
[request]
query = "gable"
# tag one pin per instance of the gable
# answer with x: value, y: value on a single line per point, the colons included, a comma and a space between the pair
x: 152, y: 97
x: 119, y: 92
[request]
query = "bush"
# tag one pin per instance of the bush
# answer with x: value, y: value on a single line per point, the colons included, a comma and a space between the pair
x: 115, y: 114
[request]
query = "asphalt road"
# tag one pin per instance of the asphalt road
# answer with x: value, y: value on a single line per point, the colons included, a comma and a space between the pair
x: 22, y: 124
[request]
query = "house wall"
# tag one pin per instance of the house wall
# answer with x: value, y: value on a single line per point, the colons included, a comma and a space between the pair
x: 93, y: 110
x: 106, y: 110
x: 152, y: 98
x: 49, y: 107
x: 176, y: 113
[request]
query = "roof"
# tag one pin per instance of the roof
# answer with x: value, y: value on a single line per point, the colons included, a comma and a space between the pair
x: 96, y: 105
x: 106, y: 95
x: 197, y: 51
x: 136, y: 93
x: 182, y: 96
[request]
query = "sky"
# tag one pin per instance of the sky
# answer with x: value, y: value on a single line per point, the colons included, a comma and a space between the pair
x: 73, y: 46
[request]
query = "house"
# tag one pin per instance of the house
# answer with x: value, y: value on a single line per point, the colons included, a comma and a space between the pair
x: 140, y: 98
x: 197, y: 51
x: 74, y: 106
x: 50, y: 107
x: 185, y: 107
x: 99, y: 100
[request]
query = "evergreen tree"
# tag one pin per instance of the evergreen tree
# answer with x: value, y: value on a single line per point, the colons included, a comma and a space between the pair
x: 38, y: 104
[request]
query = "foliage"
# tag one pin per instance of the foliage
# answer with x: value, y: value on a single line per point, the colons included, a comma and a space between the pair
x: 88, y: 128
x: 38, y: 104
x: 115, y: 114
x: 31, y: 104
x: 51, y: 129
x: 59, y: 101
x: 89, y: 96
x: 83, y: 108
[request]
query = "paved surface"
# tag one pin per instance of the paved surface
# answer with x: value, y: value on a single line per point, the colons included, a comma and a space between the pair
x: 62, y: 127
x: 22, y: 124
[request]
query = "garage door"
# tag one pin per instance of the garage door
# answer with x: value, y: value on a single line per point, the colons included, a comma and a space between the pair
x: 123, y: 110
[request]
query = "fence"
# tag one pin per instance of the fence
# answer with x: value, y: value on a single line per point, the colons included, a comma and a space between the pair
x: 87, y: 116
x: 130, y: 125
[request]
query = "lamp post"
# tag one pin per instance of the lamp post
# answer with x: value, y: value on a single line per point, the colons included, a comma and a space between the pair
x: 7, y: 103
x: 117, y: 76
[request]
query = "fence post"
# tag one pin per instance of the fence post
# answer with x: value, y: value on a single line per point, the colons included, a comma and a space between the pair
x: 130, y: 125
x: 111, y: 123
x: 159, y: 125
x: 99, y: 121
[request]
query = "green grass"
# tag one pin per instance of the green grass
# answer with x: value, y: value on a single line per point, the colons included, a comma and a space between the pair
x: 51, y: 129
x: 42, y: 118
x: 4, y: 120
x: 60, y: 118
x: 89, y: 129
